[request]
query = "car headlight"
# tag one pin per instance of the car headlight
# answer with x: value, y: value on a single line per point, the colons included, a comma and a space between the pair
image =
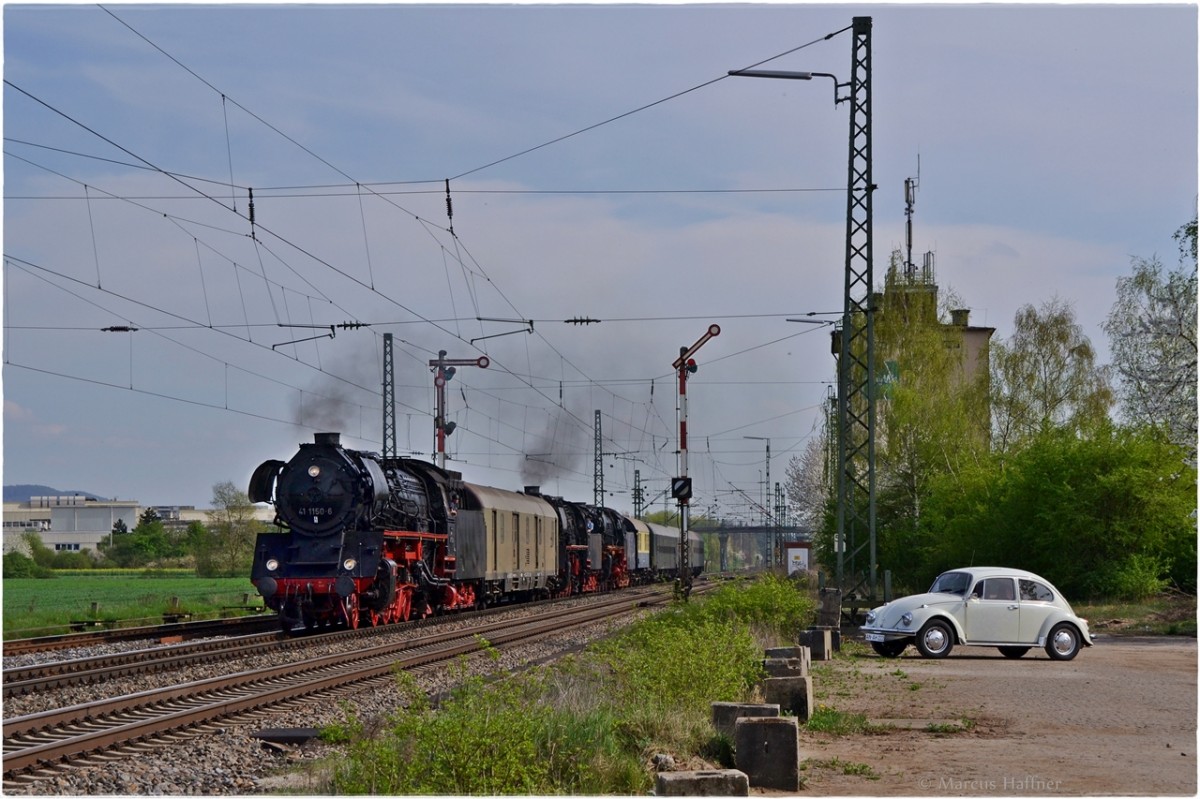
x: 349, y: 563
x: 906, y: 619
x: 870, y: 617
x: 272, y: 565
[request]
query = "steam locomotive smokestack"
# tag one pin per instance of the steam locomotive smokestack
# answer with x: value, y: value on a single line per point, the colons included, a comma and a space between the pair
x: 329, y: 439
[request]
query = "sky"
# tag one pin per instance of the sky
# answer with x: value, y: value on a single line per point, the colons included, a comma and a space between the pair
x: 601, y: 165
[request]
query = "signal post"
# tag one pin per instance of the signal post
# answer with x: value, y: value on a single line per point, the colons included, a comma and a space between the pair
x: 444, y: 369
x: 681, y: 486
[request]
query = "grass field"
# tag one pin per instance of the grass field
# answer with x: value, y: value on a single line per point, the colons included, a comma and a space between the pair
x: 1171, y: 613
x: 46, y: 607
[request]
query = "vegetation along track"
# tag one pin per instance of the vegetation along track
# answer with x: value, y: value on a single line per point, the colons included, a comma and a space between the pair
x: 38, y: 742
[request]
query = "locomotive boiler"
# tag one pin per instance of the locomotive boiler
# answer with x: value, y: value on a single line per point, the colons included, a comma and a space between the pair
x: 365, y: 540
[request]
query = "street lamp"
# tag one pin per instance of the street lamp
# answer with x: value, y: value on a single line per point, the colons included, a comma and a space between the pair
x: 856, y: 359
x: 784, y: 75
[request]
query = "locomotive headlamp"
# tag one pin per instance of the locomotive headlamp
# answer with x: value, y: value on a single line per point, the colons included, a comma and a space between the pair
x: 349, y: 563
x: 314, y: 470
x: 272, y: 565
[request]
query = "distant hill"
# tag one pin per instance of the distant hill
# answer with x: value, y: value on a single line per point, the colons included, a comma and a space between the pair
x: 22, y: 492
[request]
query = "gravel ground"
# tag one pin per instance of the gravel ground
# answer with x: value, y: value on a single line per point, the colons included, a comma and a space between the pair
x: 1119, y: 719
x: 226, y: 760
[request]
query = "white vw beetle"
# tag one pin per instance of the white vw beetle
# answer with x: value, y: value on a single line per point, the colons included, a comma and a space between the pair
x: 1007, y: 608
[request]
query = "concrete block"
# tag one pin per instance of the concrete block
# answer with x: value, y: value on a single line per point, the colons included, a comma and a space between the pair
x: 801, y: 653
x: 768, y: 751
x: 829, y: 611
x: 793, y: 695
x: 820, y: 641
x: 726, y: 714
x: 719, y: 782
x: 835, y: 633
x: 785, y: 667
x: 785, y: 652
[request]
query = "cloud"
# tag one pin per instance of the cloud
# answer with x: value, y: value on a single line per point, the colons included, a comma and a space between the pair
x: 18, y: 416
x: 16, y: 413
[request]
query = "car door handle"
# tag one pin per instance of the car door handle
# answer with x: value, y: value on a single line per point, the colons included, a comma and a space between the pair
x: 1013, y: 607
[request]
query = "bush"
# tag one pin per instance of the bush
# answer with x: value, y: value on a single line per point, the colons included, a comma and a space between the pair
x: 487, y: 740
x: 654, y: 664
x: 18, y: 564
x: 1136, y: 577
x: 774, y: 605
x: 583, y: 726
x: 1074, y: 509
x: 72, y: 560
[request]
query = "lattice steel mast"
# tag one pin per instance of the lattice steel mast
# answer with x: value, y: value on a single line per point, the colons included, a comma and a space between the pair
x: 856, y: 359
x: 598, y: 466
x: 389, y: 399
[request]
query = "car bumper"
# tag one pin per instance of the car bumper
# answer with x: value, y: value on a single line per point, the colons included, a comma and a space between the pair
x: 876, y: 635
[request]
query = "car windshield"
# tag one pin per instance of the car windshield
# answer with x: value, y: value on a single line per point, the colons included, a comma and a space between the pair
x: 951, y: 583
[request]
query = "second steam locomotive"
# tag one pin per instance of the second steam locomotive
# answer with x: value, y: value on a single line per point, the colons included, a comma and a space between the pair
x: 365, y: 540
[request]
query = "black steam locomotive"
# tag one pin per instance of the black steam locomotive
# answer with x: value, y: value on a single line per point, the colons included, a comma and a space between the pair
x: 365, y: 540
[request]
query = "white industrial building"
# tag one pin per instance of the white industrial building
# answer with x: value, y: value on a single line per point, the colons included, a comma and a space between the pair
x: 75, y: 523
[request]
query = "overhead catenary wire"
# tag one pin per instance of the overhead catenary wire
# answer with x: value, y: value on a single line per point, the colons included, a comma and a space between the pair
x: 463, y: 257
x: 641, y: 108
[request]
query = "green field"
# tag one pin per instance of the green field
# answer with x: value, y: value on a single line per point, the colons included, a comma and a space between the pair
x: 45, y: 607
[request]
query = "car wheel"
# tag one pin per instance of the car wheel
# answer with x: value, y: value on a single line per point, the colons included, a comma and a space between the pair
x: 1013, y: 652
x: 935, y: 640
x: 1063, y: 643
x: 890, y: 649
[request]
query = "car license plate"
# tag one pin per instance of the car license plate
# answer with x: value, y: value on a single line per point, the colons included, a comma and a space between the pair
x: 874, y: 637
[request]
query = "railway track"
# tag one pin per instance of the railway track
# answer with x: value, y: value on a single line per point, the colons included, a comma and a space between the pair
x: 186, y: 629
x: 53, y: 675
x: 37, y: 744
x: 90, y: 670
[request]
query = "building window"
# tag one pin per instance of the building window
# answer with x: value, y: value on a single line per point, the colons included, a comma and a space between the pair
x: 66, y: 547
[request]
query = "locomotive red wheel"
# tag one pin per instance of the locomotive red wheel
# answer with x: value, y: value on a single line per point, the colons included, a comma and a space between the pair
x: 404, y: 603
x: 350, y: 604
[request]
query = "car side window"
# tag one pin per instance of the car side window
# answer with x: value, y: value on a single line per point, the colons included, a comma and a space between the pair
x: 1000, y: 588
x: 1033, y: 591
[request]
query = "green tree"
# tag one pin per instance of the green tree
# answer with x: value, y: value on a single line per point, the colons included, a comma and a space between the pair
x: 1152, y: 334
x: 199, y: 542
x: 809, y: 482
x: 1111, y: 513
x: 1045, y: 375
x: 231, y: 529
x: 141, y: 546
x: 932, y: 412
x: 39, y: 553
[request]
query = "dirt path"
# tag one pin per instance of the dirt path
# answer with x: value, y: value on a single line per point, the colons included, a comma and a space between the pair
x: 1120, y: 719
